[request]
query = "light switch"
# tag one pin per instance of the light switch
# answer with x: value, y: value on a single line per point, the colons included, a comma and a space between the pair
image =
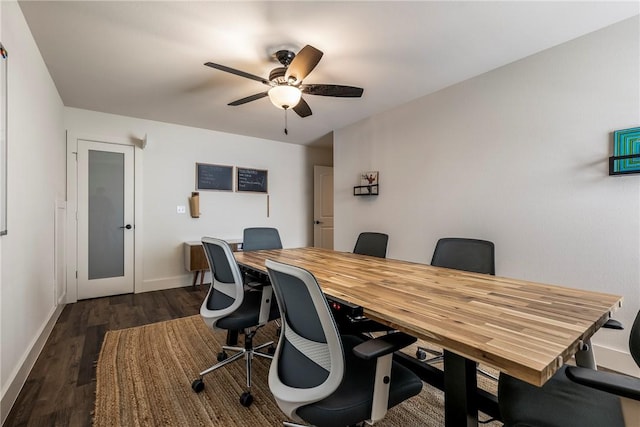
x: 182, y: 209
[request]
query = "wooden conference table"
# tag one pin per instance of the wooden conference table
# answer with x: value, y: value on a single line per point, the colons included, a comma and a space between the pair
x: 525, y: 329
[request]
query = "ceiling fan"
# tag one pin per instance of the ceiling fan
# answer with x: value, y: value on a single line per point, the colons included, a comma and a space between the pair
x: 286, y: 87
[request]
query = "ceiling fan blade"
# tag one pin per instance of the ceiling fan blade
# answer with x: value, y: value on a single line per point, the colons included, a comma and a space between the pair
x: 237, y: 72
x: 302, y: 109
x: 303, y: 63
x: 249, y: 99
x: 332, y: 90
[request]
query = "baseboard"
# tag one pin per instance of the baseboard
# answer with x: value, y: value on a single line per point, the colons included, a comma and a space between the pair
x: 62, y: 298
x: 616, y: 360
x: 165, y: 283
x: 20, y: 374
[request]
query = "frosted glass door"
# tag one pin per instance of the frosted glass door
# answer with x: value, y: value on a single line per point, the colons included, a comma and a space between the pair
x: 105, y: 215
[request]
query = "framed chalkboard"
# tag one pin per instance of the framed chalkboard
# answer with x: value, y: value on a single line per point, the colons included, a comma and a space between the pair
x: 214, y: 177
x: 252, y: 180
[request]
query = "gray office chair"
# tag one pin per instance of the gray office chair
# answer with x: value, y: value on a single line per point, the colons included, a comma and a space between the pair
x: 372, y: 244
x: 473, y: 255
x: 228, y: 306
x: 575, y: 397
x: 321, y: 377
x: 256, y: 238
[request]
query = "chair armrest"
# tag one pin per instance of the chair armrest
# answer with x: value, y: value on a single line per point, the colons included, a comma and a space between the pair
x: 613, y: 324
x: 618, y: 384
x: 384, y: 344
x: 381, y: 349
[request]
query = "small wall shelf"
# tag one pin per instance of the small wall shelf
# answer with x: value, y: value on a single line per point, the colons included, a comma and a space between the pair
x: 365, y: 190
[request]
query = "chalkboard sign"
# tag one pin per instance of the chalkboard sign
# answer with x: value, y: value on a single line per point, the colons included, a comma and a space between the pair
x: 214, y: 177
x: 254, y: 180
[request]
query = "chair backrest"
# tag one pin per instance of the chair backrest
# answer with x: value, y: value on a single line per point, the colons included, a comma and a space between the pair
x: 477, y: 256
x: 256, y: 238
x: 371, y: 243
x: 308, y: 364
x: 227, y: 289
x: 634, y: 340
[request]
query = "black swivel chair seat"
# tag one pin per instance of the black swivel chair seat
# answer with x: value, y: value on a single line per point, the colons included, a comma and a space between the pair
x: 247, y: 314
x: 346, y: 405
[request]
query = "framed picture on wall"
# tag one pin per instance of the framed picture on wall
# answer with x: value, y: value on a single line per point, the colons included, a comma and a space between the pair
x: 369, y: 178
x: 626, y: 152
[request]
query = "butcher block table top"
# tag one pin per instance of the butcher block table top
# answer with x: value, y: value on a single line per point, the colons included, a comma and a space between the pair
x: 525, y: 329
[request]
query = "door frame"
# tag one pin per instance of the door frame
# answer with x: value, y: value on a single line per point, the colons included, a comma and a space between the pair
x: 72, y: 208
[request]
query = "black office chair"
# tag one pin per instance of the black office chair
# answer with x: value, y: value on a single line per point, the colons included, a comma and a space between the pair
x: 372, y: 244
x: 321, y: 377
x: 229, y: 306
x: 575, y: 397
x: 256, y: 238
x: 473, y: 255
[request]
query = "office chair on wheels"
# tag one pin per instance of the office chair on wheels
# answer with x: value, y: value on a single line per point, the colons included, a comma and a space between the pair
x: 575, y: 396
x: 259, y: 238
x: 229, y: 306
x: 372, y: 244
x: 324, y: 378
x: 473, y: 255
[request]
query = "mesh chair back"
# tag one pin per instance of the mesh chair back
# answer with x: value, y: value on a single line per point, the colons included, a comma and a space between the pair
x: 308, y: 364
x: 372, y: 244
x: 257, y: 238
x: 477, y: 256
x: 227, y: 289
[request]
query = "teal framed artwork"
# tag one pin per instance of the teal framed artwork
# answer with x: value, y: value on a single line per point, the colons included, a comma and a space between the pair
x: 626, y: 152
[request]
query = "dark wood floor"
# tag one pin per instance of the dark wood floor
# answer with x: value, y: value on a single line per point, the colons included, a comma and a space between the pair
x: 60, y: 390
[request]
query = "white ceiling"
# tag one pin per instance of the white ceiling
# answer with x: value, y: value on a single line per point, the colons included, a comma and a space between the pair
x: 145, y: 59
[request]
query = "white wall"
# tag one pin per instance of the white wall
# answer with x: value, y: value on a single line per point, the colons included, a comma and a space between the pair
x: 36, y: 155
x: 169, y: 161
x: 517, y: 156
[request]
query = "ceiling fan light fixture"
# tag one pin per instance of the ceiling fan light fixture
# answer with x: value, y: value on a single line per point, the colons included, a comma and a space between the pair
x: 284, y: 96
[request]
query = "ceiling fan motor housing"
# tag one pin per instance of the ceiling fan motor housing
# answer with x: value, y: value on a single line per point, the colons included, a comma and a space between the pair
x: 277, y: 75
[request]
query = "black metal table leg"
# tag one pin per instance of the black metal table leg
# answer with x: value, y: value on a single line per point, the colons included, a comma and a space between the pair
x: 460, y: 391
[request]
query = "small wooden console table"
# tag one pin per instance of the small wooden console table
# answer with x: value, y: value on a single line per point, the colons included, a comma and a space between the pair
x: 195, y: 260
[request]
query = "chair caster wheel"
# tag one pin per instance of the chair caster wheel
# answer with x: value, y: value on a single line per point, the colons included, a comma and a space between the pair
x: 222, y: 356
x: 421, y: 354
x: 197, y: 385
x: 246, y: 399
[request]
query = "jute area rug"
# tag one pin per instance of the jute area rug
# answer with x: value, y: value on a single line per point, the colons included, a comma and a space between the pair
x: 144, y: 377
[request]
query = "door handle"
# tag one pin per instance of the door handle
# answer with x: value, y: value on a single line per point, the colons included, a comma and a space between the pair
x: 128, y: 226
x: 317, y: 222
